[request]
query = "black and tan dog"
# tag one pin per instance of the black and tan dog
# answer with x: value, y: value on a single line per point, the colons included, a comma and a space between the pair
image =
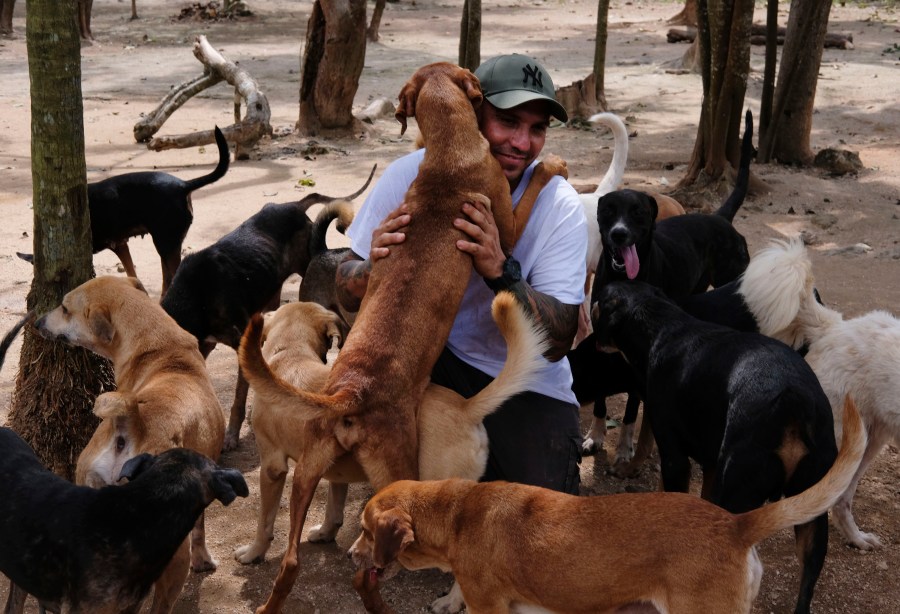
x: 218, y: 288
x: 745, y: 407
x: 147, y: 202
x: 683, y: 254
x: 86, y: 550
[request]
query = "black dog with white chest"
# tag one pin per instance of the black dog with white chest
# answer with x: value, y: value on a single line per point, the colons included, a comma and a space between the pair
x: 745, y: 407
x: 683, y: 254
x: 80, y: 549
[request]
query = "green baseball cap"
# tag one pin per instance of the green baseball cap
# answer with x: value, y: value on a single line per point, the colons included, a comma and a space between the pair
x: 510, y: 80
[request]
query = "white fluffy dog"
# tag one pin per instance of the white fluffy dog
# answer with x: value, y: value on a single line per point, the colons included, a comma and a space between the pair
x: 859, y: 356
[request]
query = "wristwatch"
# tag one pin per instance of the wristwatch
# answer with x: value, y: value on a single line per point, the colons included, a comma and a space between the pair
x: 512, y: 273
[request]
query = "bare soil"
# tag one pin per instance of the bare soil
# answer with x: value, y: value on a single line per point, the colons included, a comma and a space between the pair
x: 851, y: 221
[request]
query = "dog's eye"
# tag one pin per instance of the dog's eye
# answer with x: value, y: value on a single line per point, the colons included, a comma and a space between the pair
x: 65, y: 310
x: 120, y: 443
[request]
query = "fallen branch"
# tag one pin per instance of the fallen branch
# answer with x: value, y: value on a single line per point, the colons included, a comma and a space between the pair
x: 244, y: 132
x: 758, y: 36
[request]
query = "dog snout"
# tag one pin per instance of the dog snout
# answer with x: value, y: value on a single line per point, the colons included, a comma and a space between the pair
x: 619, y: 235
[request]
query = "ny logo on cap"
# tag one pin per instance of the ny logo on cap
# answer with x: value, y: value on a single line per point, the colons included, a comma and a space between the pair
x: 535, y: 74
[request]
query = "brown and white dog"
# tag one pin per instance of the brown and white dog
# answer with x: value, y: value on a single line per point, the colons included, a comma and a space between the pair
x: 511, y: 545
x: 452, y: 438
x: 163, y: 399
x: 857, y: 356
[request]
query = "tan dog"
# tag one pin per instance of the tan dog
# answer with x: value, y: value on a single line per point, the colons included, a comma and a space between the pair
x: 163, y: 399
x: 452, y: 439
x: 512, y: 544
x: 368, y: 405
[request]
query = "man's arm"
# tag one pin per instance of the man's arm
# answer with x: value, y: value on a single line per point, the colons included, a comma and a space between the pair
x: 559, y: 320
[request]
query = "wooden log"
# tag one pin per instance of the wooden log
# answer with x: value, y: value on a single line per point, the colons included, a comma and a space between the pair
x: 758, y: 36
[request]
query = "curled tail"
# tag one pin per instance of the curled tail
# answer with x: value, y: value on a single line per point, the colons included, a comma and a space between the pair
x: 758, y: 524
x: 734, y: 201
x: 525, y: 345
x: 342, y: 211
x: 276, y: 391
x: 9, y: 337
x: 616, y: 170
x: 221, y: 168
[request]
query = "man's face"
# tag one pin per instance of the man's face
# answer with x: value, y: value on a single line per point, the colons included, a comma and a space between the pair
x: 516, y: 136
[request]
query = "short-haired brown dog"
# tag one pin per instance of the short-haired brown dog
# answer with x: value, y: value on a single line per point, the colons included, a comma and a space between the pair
x: 512, y: 544
x: 368, y: 405
x: 163, y: 399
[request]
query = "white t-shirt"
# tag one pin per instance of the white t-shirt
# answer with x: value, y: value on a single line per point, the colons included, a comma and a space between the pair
x: 551, y: 253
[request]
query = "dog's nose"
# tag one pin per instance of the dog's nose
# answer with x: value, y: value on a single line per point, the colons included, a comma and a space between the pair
x: 618, y: 235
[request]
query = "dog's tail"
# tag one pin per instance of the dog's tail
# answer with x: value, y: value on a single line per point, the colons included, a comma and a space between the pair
x: 734, y: 201
x: 221, y: 168
x: 758, y: 524
x: 525, y: 342
x: 11, y: 335
x: 616, y: 170
x: 342, y: 211
x: 266, y: 384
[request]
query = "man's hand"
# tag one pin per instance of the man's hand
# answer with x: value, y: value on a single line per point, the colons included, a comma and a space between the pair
x: 484, y: 243
x: 391, y: 231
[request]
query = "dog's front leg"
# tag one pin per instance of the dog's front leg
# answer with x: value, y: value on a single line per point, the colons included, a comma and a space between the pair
x: 272, y: 474
x: 168, y: 587
x: 451, y: 603
x: 238, y: 412
x: 201, y: 559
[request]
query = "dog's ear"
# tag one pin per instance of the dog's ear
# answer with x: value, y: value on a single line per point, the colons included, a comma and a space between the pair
x: 136, y: 465
x: 407, y: 105
x: 393, y: 533
x: 654, y: 206
x: 227, y: 485
x: 101, y: 324
x: 472, y: 87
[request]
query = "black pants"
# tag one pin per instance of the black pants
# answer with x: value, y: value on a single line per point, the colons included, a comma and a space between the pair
x: 534, y: 439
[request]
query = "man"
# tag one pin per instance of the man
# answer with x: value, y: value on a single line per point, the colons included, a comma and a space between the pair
x: 535, y: 437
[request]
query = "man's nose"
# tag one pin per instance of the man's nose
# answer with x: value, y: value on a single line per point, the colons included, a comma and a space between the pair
x: 520, y: 139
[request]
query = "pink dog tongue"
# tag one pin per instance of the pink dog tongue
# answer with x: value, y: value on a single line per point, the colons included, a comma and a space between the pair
x: 632, y: 264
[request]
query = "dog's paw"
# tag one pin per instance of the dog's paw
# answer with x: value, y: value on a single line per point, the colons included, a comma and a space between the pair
x: 203, y: 563
x: 250, y: 554
x: 624, y: 454
x: 865, y: 541
x: 590, y: 447
x: 451, y: 603
x: 624, y: 470
x: 321, y: 533
x: 231, y: 442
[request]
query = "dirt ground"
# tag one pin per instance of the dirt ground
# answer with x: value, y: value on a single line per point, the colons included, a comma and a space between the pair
x: 853, y: 222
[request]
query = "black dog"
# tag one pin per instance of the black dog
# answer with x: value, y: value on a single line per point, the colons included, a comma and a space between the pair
x: 149, y: 202
x: 683, y: 254
x: 745, y: 407
x: 217, y: 289
x: 81, y: 549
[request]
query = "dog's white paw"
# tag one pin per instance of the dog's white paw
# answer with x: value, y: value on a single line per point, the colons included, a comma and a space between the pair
x: 865, y: 541
x: 251, y: 553
x: 451, y: 603
x: 322, y: 533
x: 590, y: 446
x: 202, y: 561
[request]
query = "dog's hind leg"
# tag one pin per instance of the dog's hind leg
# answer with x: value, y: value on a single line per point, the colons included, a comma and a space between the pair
x: 812, y: 546
x: 334, y: 514
x: 272, y: 475
x: 625, y: 447
x: 842, y: 510
x: 121, y: 250
x: 593, y: 441
x: 237, y: 414
x: 168, y: 587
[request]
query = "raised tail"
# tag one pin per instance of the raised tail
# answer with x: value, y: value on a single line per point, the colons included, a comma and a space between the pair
x: 221, y: 168
x: 616, y: 170
x: 11, y: 335
x: 758, y: 524
x: 734, y: 201
x: 342, y: 211
x: 269, y: 386
x: 525, y: 344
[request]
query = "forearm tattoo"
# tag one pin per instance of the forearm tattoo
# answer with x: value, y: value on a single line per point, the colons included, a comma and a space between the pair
x: 351, y: 281
x: 560, y: 321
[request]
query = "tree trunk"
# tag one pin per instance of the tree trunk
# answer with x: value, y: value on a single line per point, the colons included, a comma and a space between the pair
x: 470, y: 35
x: 787, y: 136
x: 768, y: 88
x: 84, y: 19
x: 375, y: 23
x: 56, y: 385
x: 723, y: 35
x: 600, y: 54
x: 331, y: 65
x: 6, y: 15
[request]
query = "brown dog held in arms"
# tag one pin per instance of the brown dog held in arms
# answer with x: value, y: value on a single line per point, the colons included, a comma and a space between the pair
x: 368, y: 405
x: 452, y: 438
x: 674, y: 551
x: 164, y: 398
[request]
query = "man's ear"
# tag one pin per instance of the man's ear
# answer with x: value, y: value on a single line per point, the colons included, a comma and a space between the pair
x: 393, y: 533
